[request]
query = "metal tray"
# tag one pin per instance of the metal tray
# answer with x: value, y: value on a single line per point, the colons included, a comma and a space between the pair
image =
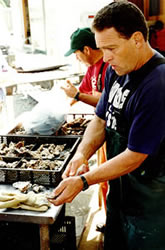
x: 38, y: 176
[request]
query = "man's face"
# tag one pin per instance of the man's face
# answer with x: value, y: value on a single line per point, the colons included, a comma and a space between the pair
x: 119, y: 52
x: 83, y: 57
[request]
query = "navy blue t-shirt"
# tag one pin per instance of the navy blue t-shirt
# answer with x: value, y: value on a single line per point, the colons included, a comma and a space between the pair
x: 145, y: 110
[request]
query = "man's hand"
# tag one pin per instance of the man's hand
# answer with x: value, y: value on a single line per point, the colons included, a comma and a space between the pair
x: 70, y: 89
x: 66, y: 191
x: 76, y: 166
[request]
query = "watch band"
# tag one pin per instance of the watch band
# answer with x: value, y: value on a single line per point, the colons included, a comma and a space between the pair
x: 85, y: 183
x: 77, y: 96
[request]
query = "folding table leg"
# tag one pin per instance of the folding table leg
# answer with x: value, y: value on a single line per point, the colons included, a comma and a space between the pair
x: 44, y: 237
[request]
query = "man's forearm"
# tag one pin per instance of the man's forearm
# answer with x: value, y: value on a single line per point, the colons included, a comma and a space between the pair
x: 120, y: 165
x: 89, y: 99
x: 93, y: 138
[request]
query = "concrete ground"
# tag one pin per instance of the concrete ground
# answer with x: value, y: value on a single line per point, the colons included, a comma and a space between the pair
x: 85, y: 208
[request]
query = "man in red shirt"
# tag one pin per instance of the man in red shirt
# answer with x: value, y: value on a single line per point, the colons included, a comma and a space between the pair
x: 84, y: 46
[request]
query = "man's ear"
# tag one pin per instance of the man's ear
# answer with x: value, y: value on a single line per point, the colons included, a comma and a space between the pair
x: 138, y: 38
x: 86, y: 50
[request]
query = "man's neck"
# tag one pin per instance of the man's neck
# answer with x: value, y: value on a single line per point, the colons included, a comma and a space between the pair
x: 147, y: 55
x: 96, y: 56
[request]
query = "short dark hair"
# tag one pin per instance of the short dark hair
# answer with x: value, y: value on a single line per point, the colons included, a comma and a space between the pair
x: 124, y: 16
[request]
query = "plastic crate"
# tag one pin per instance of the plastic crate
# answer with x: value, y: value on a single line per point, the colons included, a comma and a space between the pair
x: 19, y: 236
x: 26, y: 236
x: 38, y: 176
x: 64, y: 236
x: 75, y: 124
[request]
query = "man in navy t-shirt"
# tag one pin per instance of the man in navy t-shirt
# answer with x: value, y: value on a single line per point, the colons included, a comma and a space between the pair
x: 130, y: 117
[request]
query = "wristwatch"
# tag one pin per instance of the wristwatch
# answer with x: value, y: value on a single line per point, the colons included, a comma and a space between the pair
x: 77, y: 96
x: 85, y: 183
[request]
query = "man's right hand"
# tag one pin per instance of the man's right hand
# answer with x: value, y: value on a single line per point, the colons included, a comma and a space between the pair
x: 76, y: 166
x: 70, y: 89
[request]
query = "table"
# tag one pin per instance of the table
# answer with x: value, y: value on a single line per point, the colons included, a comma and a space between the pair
x: 41, y: 218
x: 23, y: 78
x: 14, y: 79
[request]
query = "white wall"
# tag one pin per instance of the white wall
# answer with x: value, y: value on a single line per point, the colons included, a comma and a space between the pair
x: 62, y: 19
x: 5, y: 25
x: 17, y: 24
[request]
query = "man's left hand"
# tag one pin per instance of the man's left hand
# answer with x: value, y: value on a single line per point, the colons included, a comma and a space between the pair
x: 66, y: 190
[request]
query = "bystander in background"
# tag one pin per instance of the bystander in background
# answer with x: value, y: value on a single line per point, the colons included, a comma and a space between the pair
x: 157, y: 37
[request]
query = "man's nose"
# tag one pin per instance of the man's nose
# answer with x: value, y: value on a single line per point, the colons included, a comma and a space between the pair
x: 107, y: 56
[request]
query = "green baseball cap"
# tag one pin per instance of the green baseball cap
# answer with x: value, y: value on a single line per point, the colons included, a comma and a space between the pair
x: 80, y: 38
